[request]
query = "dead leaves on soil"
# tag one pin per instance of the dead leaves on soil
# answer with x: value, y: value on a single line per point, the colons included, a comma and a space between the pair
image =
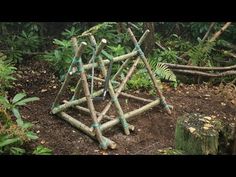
x: 228, y: 92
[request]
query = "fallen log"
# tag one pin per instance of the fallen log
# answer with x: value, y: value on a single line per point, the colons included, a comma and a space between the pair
x: 199, y: 68
x: 200, y: 73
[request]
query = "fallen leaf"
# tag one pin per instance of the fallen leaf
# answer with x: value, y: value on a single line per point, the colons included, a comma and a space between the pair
x: 223, y: 104
x: 44, y: 90
x: 191, y: 129
x: 104, y: 153
x: 207, y: 117
x: 43, y: 142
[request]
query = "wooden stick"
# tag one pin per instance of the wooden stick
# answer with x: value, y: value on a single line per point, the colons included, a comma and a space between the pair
x: 208, y: 31
x: 228, y: 53
x: 144, y: 59
x: 74, y: 102
x: 86, y: 110
x: 114, y: 98
x: 102, y: 80
x: 112, y: 94
x: 218, y: 33
x: 78, y: 54
x: 104, y: 142
x: 129, y: 74
x: 115, y: 59
x: 90, y: 105
x: 187, y: 67
x: 84, y: 128
x: 223, y: 74
x: 76, y: 123
x: 135, y: 97
x: 78, y: 90
x: 131, y: 114
x: 144, y: 36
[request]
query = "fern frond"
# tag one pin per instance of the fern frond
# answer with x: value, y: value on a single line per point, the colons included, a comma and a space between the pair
x: 163, y: 72
x: 160, y: 70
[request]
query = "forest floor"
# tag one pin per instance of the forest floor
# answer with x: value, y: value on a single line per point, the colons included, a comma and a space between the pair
x: 154, y: 129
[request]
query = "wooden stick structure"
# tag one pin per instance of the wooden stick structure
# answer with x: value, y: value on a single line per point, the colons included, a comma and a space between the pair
x: 100, y: 120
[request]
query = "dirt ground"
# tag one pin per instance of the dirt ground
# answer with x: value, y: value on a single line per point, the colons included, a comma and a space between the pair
x: 154, y: 129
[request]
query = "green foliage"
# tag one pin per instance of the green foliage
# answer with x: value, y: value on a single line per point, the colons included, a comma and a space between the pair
x: 108, y: 31
x: 117, y: 51
x: 19, y: 39
x: 140, y: 80
x: 177, y: 43
x: 41, y: 150
x: 167, y: 56
x: 61, y: 57
x: 28, y: 41
x: 198, y: 29
x: 200, y: 55
x: 72, y: 32
x: 6, y: 71
x: 160, y: 69
x: 15, y: 134
x: 13, y: 137
x: 163, y: 72
x: 13, y: 105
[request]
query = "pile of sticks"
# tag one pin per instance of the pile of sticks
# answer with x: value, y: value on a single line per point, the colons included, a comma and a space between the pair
x: 79, y: 70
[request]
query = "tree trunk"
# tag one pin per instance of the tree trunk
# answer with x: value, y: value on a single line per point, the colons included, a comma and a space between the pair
x: 149, y: 44
x: 121, y: 27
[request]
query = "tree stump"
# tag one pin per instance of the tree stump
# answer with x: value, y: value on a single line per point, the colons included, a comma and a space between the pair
x: 197, y: 134
x: 169, y: 151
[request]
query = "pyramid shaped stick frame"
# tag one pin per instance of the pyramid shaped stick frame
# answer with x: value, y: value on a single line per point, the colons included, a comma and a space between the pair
x: 78, y: 69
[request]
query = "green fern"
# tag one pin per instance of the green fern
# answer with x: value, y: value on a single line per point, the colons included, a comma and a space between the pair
x: 163, y: 72
x: 200, y: 55
x: 6, y: 72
